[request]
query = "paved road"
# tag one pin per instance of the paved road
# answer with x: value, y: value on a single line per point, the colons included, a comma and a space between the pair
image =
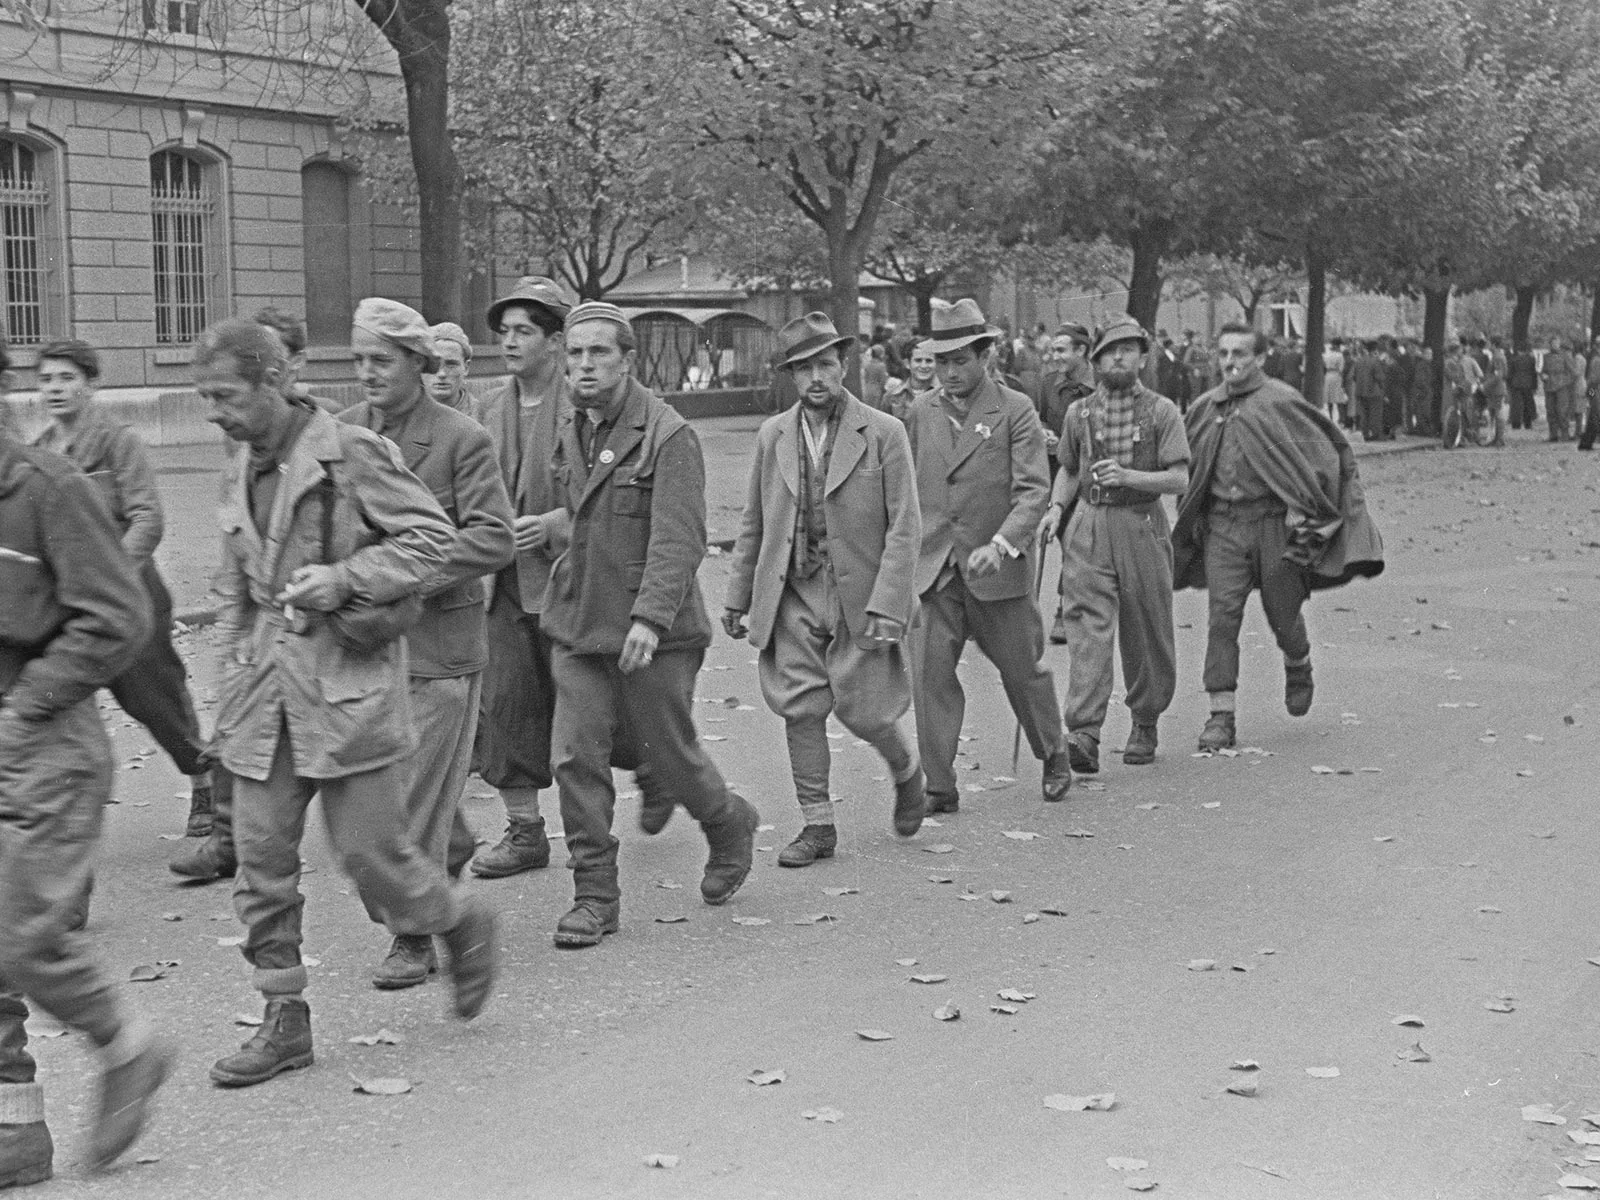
x: 1447, y: 863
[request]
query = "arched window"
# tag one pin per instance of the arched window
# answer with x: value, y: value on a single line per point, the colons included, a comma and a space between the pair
x: 187, y: 246
x: 28, y: 245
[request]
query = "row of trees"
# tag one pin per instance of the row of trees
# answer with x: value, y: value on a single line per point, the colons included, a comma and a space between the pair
x: 1405, y: 146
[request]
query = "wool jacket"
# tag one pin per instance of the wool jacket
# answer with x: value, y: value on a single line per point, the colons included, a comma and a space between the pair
x: 529, y: 479
x: 112, y: 455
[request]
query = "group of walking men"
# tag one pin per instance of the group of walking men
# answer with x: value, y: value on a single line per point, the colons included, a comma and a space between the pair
x: 423, y: 585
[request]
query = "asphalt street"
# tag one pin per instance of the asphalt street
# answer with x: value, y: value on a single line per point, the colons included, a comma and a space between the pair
x: 1421, y: 846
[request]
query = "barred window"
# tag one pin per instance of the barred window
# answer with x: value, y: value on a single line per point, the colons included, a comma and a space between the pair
x: 172, y: 16
x: 182, y: 218
x: 25, y: 249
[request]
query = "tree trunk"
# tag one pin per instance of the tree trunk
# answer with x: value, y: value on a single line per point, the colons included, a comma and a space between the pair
x: 419, y: 31
x: 1594, y: 311
x: 1316, y: 321
x: 844, y: 296
x: 1149, y: 244
x: 1522, y: 316
x: 1436, y: 310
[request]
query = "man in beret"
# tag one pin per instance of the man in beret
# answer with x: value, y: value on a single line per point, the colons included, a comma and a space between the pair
x: 1122, y: 449
x: 448, y: 385
x: 513, y: 751
x: 983, y: 481
x: 824, y: 566
x: 447, y: 649
x: 1274, y: 504
x: 628, y: 626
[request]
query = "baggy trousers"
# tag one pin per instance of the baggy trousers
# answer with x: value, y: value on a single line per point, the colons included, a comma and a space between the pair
x: 1118, y: 585
x: 1011, y: 635
x: 596, y: 706
x: 1243, y: 551
x: 55, y: 779
x: 367, y: 822
x: 812, y: 666
x: 518, y: 696
x: 154, y: 690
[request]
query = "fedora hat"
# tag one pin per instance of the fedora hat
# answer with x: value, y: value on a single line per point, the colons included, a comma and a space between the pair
x: 808, y: 336
x: 1124, y: 329
x: 957, y: 325
x: 531, y: 289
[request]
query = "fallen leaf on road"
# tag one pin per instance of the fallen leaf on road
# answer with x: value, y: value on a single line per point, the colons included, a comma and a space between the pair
x: 1124, y: 846
x: 1030, y: 918
x: 1019, y: 835
x: 1542, y: 1114
x: 1243, y: 1087
x: 1524, y: 774
x: 1147, y: 807
x: 1003, y: 778
x: 841, y: 891
x: 874, y: 1035
x: 1000, y: 897
x: 144, y: 1160
x: 929, y: 978
x: 1264, y: 1170
x: 1321, y: 770
x: 947, y: 1012
x: 1407, y: 1019
x: 1009, y: 1010
x: 1593, y: 961
x: 170, y: 837
x: 1384, y: 839
x: 668, y: 885
x: 713, y: 737
x: 731, y: 702
x: 1099, y: 1102
x: 938, y: 848
x: 1126, y: 1164
x: 765, y: 1078
x: 940, y: 879
x: 664, y: 1161
x: 823, y: 1116
x: 1016, y: 996
x: 1212, y: 804
x: 905, y: 962
x: 1079, y: 833
x: 1092, y: 786
x: 1244, y: 1064
x: 146, y: 974
x: 172, y: 916
x: 1489, y: 908
x: 1323, y: 1072
x: 1141, y: 1185
x: 816, y: 919
x: 1055, y: 910
x: 382, y: 1087
x: 382, y: 1038
x: 1242, y: 967
x: 1578, y: 1182
x: 236, y: 940
x: 247, y: 1019
x: 1202, y: 964
x: 751, y: 921
x: 1584, y: 1138
x: 1533, y: 737
x: 1414, y: 1053
x: 974, y: 787
x: 675, y: 919
x: 1544, y: 835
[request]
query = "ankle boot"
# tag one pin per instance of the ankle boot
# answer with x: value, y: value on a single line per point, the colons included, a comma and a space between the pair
x: 525, y: 847
x: 474, y: 958
x: 200, y: 810
x: 596, y: 909
x: 214, y: 858
x: 732, y: 843
x: 283, y: 1043
x: 26, y: 1151
x: 125, y: 1093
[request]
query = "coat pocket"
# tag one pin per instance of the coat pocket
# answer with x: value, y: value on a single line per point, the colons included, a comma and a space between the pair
x: 631, y: 499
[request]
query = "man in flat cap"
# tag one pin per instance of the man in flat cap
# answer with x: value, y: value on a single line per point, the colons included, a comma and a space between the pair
x: 825, y: 566
x: 1122, y: 449
x: 327, y: 535
x: 513, y: 752
x: 1274, y: 504
x: 629, y: 627
x: 448, y: 385
x: 393, y: 349
x: 983, y: 481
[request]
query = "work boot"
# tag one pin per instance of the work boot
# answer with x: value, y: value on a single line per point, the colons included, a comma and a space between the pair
x: 26, y: 1152
x: 940, y: 802
x: 213, y: 858
x: 1057, y: 775
x: 1141, y: 748
x: 1218, y: 733
x: 409, y: 962
x: 474, y: 958
x: 1058, y: 628
x: 587, y: 922
x: 1083, y: 752
x: 910, y: 802
x: 200, y: 809
x: 814, y: 842
x: 1297, y: 688
x: 732, y: 841
x: 125, y: 1093
x: 283, y: 1043
x: 525, y: 847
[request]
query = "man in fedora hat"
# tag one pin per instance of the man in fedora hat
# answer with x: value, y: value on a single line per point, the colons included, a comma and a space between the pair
x: 1122, y: 448
x: 824, y: 567
x: 983, y: 482
x: 513, y: 746
x: 628, y: 626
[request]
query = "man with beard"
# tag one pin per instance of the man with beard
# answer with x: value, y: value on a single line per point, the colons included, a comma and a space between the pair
x: 824, y: 566
x: 983, y: 482
x: 1122, y: 449
x: 1274, y: 503
x: 628, y: 626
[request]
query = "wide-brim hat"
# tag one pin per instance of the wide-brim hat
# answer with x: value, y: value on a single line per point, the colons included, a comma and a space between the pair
x: 1124, y: 330
x: 808, y: 336
x: 959, y: 324
x: 531, y: 289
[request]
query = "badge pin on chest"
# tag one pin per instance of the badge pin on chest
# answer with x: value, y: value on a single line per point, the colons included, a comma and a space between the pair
x: 606, y: 456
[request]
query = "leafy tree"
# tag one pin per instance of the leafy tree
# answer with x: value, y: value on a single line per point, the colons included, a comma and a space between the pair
x: 1245, y: 283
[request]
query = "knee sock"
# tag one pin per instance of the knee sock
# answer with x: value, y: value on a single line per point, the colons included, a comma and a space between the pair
x: 1221, y: 702
x: 1297, y: 662
x: 522, y: 805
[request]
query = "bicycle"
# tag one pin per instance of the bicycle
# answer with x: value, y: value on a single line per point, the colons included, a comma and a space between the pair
x: 1468, y: 421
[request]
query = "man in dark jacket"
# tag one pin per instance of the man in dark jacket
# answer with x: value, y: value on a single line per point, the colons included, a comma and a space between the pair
x: 1522, y: 381
x: 74, y: 615
x: 629, y: 627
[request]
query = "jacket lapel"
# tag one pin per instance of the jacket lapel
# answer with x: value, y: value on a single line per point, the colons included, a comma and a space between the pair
x: 786, y: 448
x: 627, y: 433
x: 318, y: 443
x: 982, y: 420
x: 850, y: 446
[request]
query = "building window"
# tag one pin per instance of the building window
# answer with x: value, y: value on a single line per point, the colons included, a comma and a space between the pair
x: 183, y: 234
x: 329, y: 282
x: 25, y: 245
x: 172, y: 16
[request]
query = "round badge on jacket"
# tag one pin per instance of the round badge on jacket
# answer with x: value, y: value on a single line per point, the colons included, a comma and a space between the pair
x: 606, y: 456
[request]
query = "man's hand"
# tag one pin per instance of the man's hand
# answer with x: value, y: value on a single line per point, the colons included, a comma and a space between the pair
x: 639, y: 650
x: 882, y: 631
x: 985, y: 560
x: 1049, y: 523
x: 529, y: 533
x: 733, y: 623
x: 1108, y: 472
x: 316, y: 587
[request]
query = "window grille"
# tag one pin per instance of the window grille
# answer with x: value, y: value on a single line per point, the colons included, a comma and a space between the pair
x: 172, y: 16
x: 182, y: 209
x: 24, y: 201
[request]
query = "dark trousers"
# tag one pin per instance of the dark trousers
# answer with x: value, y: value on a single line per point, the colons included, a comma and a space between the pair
x: 1523, y: 410
x: 154, y: 690
x: 512, y: 749
x: 1244, y: 552
x: 1371, y: 418
x: 649, y: 711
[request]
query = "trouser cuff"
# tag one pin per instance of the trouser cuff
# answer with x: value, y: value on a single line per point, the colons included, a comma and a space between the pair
x: 1303, y: 661
x: 817, y: 814
x: 522, y: 804
x: 281, y: 981
x: 21, y: 1103
x: 1221, y: 701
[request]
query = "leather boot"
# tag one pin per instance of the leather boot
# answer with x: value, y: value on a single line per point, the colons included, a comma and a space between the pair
x: 1141, y: 748
x: 1057, y: 776
x: 409, y: 962
x: 523, y: 848
x: 1083, y: 752
x: 474, y: 958
x: 125, y: 1094
x: 940, y: 802
x: 1218, y: 733
x: 587, y: 922
x: 214, y: 858
x: 26, y: 1151
x: 200, y: 809
x: 732, y: 842
x: 814, y: 842
x: 1298, y: 688
x: 283, y: 1043
x: 910, y: 803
